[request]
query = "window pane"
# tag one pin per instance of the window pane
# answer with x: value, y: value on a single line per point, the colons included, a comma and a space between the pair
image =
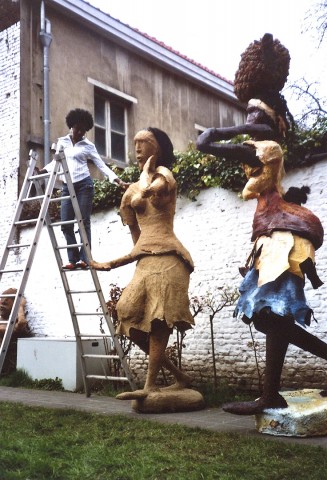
x: 100, y: 140
x: 99, y: 111
x: 118, y: 147
x: 117, y: 118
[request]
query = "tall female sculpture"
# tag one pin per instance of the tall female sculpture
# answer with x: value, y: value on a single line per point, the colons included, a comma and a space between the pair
x: 285, y: 234
x: 156, y: 300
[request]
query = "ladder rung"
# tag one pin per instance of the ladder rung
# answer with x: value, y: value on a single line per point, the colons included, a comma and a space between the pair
x: 92, y: 336
x: 3, y: 322
x: 67, y: 222
x: 30, y: 199
x: 94, y: 355
x: 41, y: 175
x: 13, y: 270
x: 105, y: 377
x: 24, y: 222
x: 61, y: 247
x: 86, y: 313
x: 73, y: 292
x: 19, y: 245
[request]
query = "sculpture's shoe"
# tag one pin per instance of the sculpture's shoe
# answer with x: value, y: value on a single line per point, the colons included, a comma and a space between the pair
x: 255, y: 407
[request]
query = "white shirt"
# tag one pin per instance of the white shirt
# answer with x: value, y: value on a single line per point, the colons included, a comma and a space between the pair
x: 77, y: 156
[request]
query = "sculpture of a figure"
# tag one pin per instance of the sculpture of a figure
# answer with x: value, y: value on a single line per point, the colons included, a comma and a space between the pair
x: 156, y: 300
x: 21, y: 328
x: 285, y: 234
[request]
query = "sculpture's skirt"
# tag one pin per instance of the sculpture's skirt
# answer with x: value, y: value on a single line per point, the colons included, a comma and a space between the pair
x: 158, y: 291
x: 284, y: 297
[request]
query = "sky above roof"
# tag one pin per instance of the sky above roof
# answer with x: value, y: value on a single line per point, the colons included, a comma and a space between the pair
x: 215, y: 33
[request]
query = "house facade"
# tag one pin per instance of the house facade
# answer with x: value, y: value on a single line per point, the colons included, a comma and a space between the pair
x: 61, y: 54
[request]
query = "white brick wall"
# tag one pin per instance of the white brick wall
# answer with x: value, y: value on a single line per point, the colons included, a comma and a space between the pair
x: 216, y: 229
x: 9, y: 124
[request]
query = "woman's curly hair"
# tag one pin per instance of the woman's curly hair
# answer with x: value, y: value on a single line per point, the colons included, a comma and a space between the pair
x: 79, y: 116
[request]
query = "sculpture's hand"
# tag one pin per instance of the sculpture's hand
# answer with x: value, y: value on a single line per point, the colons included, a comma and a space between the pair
x: 208, y: 136
x: 150, y: 165
x: 106, y: 266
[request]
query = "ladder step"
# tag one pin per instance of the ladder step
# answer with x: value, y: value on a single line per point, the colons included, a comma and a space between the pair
x: 73, y: 292
x: 61, y: 247
x: 41, y: 175
x: 58, y: 224
x: 94, y: 355
x: 12, y: 270
x: 25, y: 222
x: 19, y: 245
x: 30, y: 199
x: 105, y: 377
x: 90, y: 313
x: 92, y: 336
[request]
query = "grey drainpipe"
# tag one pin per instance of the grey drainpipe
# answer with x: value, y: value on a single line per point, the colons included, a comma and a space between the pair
x: 46, y: 38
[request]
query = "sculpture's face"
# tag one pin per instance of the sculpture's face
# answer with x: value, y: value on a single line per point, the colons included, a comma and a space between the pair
x: 268, y: 176
x: 145, y: 146
x: 5, y: 307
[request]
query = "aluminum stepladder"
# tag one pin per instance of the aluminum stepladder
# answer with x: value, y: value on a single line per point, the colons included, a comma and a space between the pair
x: 44, y: 197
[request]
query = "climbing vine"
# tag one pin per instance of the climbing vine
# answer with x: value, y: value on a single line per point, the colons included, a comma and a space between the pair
x: 195, y: 171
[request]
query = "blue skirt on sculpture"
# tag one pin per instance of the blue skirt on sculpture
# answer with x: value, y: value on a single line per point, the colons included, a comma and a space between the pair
x: 283, y: 297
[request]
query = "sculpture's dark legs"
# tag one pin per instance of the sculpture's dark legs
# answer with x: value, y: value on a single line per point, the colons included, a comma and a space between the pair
x: 279, y: 333
x: 308, y: 342
x: 276, y: 348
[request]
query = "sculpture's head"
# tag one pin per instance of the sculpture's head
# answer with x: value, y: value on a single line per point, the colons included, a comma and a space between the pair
x: 6, y: 303
x: 153, y: 141
x: 268, y: 176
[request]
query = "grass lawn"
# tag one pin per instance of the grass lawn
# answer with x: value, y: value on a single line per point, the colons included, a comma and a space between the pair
x: 39, y: 443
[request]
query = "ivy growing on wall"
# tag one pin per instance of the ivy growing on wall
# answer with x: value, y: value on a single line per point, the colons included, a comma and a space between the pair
x: 195, y: 171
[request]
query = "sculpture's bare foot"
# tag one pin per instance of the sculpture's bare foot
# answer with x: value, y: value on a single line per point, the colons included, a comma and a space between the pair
x: 137, y: 394
x: 253, y: 408
x: 100, y: 266
x: 183, y: 382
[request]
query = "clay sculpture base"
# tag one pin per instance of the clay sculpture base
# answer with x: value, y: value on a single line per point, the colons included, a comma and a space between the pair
x: 306, y: 415
x: 169, y: 401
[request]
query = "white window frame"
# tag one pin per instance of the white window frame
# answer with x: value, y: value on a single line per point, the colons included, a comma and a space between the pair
x: 111, y: 95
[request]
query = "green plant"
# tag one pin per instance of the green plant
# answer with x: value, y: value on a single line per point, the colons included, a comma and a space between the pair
x: 195, y: 171
x: 20, y: 378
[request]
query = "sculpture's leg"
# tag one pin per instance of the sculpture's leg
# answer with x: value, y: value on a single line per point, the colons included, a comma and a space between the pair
x: 182, y: 380
x: 306, y: 341
x: 158, y: 342
x: 276, y: 348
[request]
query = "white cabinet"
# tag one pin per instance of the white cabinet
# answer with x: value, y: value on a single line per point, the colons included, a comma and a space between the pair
x: 52, y: 357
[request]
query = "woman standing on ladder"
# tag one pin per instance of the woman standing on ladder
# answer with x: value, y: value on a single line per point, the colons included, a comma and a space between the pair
x: 78, y: 150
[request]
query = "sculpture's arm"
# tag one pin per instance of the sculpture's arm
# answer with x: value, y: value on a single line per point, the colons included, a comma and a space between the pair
x: 206, y: 142
x: 118, y: 262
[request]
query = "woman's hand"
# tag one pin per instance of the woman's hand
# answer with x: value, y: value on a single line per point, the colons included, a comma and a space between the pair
x: 122, y: 184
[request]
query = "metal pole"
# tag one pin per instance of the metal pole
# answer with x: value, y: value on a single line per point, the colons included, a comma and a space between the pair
x: 46, y: 38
